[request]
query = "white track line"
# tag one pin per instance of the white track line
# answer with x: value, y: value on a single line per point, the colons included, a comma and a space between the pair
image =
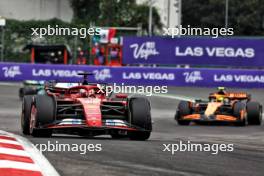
x: 35, y: 154
x: 176, y: 97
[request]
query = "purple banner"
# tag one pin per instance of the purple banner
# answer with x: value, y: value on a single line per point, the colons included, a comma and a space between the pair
x: 194, y: 51
x: 135, y: 75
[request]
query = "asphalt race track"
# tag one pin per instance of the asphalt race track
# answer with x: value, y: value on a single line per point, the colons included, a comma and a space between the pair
x: 133, y: 158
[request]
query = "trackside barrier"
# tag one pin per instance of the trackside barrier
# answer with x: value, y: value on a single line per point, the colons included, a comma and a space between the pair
x: 199, y: 77
x: 234, y: 52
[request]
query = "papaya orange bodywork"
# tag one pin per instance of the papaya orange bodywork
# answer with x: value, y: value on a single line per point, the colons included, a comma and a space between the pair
x: 217, y: 117
x: 192, y: 117
x: 225, y: 118
x: 212, y: 107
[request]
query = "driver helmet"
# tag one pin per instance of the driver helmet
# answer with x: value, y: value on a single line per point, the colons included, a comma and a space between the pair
x: 221, y: 91
x: 83, y: 93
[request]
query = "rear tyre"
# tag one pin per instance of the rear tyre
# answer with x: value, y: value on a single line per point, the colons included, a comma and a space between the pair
x: 25, y: 114
x: 254, y: 113
x: 29, y: 91
x: 140, y: 117
x: 21, y: 93
x: 238, y: 107
x: 183, y: 110
x: 43, y: 111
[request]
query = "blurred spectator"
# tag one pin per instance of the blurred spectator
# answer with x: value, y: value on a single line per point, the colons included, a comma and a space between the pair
x: 114, y: 53
x: 81, y: 59
x: 98, y: 52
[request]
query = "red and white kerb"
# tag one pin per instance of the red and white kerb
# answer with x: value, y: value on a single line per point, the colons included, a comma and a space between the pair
x: 15, y: 160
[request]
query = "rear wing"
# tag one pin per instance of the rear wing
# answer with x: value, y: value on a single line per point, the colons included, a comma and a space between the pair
x: 33, y: 83
x: 232, y: 95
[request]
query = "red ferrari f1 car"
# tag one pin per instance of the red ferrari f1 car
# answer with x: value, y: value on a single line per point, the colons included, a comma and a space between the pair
x: 85, y: 109
x: 228, y: 107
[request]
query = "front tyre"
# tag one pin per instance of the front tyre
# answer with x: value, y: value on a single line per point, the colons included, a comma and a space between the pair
x: 140, y: 117
x: 183, y: 110
x: 43, y: 111
x: 25, y: 114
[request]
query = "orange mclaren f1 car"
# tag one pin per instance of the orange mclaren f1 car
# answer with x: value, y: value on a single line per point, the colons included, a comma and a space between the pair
x: 228, y: 107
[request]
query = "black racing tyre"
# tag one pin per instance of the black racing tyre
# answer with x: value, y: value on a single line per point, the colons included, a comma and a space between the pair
x: 43, y: 111
x: 183, y: 110
x: 25, y: 114
x: 238, y: 107
x: 254, y: 113
x: 21, y: 93
x: 140, y: 117
x: 29, y: 91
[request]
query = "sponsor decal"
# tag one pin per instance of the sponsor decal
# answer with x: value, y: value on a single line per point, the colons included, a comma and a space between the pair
x: 239, y: 78
x: 143, y: 76
x: 57, y: 73
x: 215, y: 52
x: 201, y: 51
x: 12, y: 71
x: 144, y: 50
x: 148, y: 76
x: 193, y: 77
x: 102, y: 75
